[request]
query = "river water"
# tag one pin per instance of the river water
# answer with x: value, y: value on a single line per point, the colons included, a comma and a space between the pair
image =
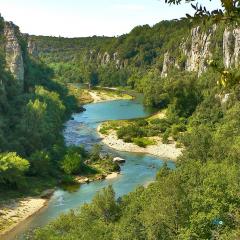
x: 139, y: 169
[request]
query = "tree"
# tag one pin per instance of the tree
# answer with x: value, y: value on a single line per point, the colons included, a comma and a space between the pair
x: 231, y: 9
x: 12, y: 169
x: 105, y: 206
x: 40, y: 163
x: 95, y: 152
x: 72, y: 162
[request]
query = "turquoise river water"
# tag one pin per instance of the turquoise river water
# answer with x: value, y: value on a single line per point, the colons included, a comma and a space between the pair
x: 139, y: 169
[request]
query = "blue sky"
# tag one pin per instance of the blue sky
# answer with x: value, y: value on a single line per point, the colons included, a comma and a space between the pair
x: 76, y: 18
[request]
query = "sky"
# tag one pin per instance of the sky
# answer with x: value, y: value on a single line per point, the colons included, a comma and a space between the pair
x: 80, y: 18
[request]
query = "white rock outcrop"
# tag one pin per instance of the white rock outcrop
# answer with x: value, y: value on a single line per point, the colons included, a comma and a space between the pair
x: 231, y: 47
x: 200, y: 50
x: 14, y: 57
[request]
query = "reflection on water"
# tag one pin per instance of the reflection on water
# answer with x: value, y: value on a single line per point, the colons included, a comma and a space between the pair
x: 72, y: 187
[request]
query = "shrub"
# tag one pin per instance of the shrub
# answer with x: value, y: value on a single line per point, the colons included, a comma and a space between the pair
x: 165, y: 137
x: 40, y: 163
x: 73, y: 160
x: 143, y: 142
x: 141, y: 123
x: 12, y: 169
x: 95, y: 152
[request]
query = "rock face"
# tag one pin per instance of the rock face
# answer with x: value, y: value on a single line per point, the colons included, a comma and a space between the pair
x: 106, y: 58
x: 168, y: 63
x: 14, y: 57
x: 231, y: 47
x: 200, y: 50
x: 196, y: 55
x: 32, y: 48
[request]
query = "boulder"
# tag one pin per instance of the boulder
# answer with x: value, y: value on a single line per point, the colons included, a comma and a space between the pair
x: 119, y: 160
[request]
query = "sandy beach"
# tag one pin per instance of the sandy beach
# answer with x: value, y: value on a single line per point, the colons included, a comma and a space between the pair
x: 166, y: 151
x: 16, y: 211
x: 102, y: 96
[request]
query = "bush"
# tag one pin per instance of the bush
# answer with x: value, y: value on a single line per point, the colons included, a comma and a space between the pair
x: 127, y: 139
x: 12, y: 169
x: 141, y: 123
x: 165, y: 137
x: 73, y: 160
x: 40, y: 163
x: 161, y: 124
x: 95, y: 153
x: 130, y: 131
x: 143, y: 142
x: 67, y: 179
x: 178, y: 145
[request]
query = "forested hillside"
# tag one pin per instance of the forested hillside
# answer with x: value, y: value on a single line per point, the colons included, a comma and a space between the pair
x: 110, y: 61
x: 125, y: 60
x: 33, y: 108
x: 192, y: 71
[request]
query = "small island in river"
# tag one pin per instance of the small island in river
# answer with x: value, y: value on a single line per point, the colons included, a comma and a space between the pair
x: 128, y: 136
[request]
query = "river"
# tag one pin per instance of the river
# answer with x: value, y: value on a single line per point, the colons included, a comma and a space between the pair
x: 139, y: 169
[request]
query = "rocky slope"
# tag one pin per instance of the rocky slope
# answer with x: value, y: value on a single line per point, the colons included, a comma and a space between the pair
x: 201, y: 50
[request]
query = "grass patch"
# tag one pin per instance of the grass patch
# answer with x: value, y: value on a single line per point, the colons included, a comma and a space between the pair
x: 112, y: 125
x: 143, y: 142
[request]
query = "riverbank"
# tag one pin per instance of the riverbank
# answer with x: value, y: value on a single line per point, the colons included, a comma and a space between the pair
x: 108, y: 95
x: 99, y: 94
x: 15, y: 212
x: 166, y: 151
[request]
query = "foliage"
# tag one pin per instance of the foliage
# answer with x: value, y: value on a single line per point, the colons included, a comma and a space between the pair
x: 12, y: 169
x: 32, y: 121
x: 143, y: 142
x: 231, y: 10
x: 95, y: 152
x: 72, y: 162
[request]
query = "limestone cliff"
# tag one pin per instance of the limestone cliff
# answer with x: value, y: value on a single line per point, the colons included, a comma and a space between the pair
x: 200, y: 50
x: 13, y: 51
x: 231, y: 47
x: 106, y: 58
x: 168, y: 63
x: 196, y: 54
x: 32, y: 47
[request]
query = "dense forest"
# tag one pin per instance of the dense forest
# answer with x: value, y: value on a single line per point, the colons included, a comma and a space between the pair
x: 110, y: 61
x: 32, y: 112
x: 197, y: 200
